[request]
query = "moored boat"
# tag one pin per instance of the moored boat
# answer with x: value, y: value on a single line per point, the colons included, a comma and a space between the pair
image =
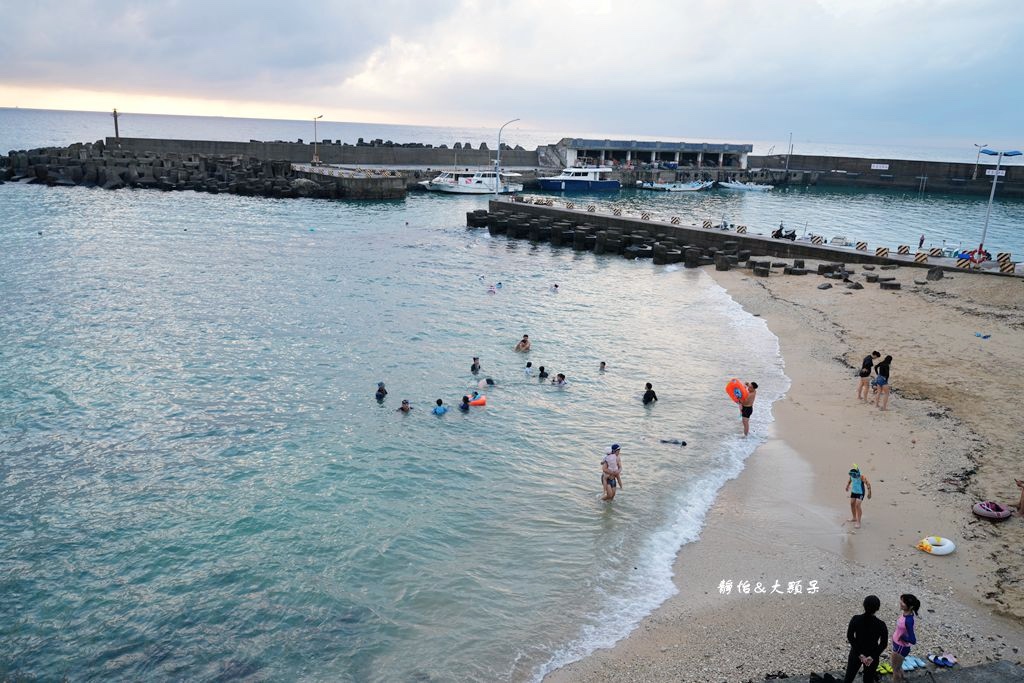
x: 580, y: 179
x: 736, y: 185
x: 471, y: 182
x: 692, y: 186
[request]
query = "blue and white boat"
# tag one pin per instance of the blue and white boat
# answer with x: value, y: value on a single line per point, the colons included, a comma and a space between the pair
x: 691, y: 186
x: 580, y: 179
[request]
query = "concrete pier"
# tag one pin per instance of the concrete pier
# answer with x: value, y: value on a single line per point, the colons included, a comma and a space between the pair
x: 668, y: 240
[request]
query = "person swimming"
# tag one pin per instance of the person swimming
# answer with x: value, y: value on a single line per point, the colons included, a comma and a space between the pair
x: 559, y: 380
x: 440, y: 408
x: 405, y: 407
x: 381, y: 391
x: 464, y: 406
x: 542, y: 373
x: 524, y: 344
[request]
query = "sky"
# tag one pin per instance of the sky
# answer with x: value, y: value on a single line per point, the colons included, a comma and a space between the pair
x: 912, y: 71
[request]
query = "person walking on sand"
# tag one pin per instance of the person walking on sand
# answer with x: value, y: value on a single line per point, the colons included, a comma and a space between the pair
x: 611, y: 471
x: 867, y: 635
x: 863, y: 388
x: 856, y: 484
x: 903, y: 637
x: 747, y: 406
x: 523, y: 345
x: 882, y: 383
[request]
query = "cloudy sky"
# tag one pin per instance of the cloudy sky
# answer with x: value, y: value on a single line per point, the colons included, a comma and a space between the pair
x: 880, y: 70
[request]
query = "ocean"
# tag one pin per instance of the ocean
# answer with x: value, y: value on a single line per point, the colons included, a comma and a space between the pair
x: 197, y: 483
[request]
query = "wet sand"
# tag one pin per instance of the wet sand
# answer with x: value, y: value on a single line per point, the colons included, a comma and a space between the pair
x: 951, y: 437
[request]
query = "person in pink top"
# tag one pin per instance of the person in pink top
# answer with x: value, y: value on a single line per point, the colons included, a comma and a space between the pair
x: 903, y: 636
x: 611, y: 472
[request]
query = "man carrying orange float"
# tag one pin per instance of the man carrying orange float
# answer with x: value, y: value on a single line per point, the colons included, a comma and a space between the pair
x: 743, y: 393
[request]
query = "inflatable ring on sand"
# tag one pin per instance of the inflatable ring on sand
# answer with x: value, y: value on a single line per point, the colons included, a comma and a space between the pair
x: 482, y: 401
x: 736, y: 390
x: 936, y: 545
x: 991, y: 510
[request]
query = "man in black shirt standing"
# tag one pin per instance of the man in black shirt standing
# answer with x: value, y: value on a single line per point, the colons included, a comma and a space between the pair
x: 649, y: 395
x: 865, y: 375
x: 868, y: 638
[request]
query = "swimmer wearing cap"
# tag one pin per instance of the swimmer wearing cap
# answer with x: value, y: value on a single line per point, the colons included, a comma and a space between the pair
x: 381, y: 392
x: 405, y: 407
x: 611, y: 471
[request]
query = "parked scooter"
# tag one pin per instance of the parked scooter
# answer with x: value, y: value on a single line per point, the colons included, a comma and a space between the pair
x: 787, y: 235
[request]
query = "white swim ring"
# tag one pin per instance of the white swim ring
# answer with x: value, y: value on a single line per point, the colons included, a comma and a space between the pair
x: 936, y: 545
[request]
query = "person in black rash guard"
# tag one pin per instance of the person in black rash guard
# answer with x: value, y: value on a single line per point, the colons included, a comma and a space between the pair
x: 649, y: 395
x: 865, y: 375
x: 868, y: 637
x: 882, y: 383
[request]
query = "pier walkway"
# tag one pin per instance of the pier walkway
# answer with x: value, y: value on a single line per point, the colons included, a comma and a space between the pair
x: 710, y: 235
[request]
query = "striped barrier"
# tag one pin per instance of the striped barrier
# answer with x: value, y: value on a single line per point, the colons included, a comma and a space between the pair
x: 903, y: 249
x: 921, y: 257
x: 644, y: 216
x: 862, y: 246
x: 1007, y: 267
x: 935, y: 251
x: 707, y: 223
x: 570, y: 205
x: 963, y: 263
x: 882, y: 252
x: 675, y: 220
x: 817, y: 239
x: 591, y: 208
x: 741, y: 230
x: 1003, y: 257
x: 616, y: 212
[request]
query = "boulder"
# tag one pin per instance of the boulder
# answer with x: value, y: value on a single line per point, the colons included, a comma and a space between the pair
x: 855, y: 285
x: 825, y: 285
x: 934, y: 274
x: 889, y: 285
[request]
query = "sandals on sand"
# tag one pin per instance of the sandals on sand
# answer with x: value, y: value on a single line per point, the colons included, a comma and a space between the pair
x: 944, y: 660
x: 884, y: 668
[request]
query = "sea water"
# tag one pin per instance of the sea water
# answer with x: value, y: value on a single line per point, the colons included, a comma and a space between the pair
x: 197, y: 483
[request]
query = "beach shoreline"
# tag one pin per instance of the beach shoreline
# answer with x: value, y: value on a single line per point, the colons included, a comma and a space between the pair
x: 940, y: 446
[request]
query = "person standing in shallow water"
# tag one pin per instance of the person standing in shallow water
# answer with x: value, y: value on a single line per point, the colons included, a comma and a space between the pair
x: 867, y: 635
x: 747, y: 406
x: 475, y: 367
x: 524, y: 344
x: 649, y: 395
x: 611, y: 471
x: 857, y: 484
x: 381, y: 392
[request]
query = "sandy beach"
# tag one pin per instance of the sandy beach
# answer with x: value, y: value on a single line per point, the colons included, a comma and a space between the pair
x: 948, y: 440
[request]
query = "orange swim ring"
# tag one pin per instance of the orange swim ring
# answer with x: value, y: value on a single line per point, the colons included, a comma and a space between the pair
x: 736, y: 390
x: 482, y: 401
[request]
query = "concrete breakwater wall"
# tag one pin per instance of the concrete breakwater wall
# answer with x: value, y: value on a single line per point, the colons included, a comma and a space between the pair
x: 333, y: 152
x: 668, y: 241
x: 902, y: 174
x: 96, y: 165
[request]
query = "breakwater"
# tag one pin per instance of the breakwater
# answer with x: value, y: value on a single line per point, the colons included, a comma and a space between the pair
x: 583, y: 228
x: 99, y: 165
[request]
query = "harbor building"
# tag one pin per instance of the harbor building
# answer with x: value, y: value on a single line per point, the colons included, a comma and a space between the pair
x: 630, y: 153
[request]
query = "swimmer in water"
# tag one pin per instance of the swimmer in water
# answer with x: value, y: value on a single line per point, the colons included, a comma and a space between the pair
x: 381, y: 392
x: 611, y: 471
x: 492, y: 290
x: 475, y: 367
x: 602, y: 367
x: 490, y: 382
x: 554, y: 288
x: 528, y: 370
x: 524, y: 344
x: 542, y: 374
x: 464, y: 406
x: 559, y: 380
x: 440, y: 408
x: 405, y: 407
x: 649, y: 395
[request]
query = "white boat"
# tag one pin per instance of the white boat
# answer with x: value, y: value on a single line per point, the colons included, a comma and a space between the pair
x: 692, y: 186
x: 734, y: 185
x: 580, y: 179
x: 471, y: 182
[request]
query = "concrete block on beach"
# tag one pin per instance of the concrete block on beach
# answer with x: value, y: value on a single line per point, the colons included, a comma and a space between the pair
x: 889, y: 285
x: 761, y: 271
x: 934, y: 274
x: 871, y: 277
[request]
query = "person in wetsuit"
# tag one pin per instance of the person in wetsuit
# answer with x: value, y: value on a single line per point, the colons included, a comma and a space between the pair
x: 867, y: 635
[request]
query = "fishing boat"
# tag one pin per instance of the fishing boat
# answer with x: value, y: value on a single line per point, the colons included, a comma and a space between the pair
x: 580, y: 179
x: 471, y: 182
x: 692, y: 186
x: 736, y: 185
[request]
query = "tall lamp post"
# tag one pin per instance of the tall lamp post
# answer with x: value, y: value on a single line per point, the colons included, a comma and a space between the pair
x: 316, y: 157
x: 974, y: 176
x: 497, y: 162
x: 995, y: 178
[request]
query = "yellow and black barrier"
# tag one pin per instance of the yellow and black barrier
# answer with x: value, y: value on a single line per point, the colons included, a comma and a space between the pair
x: 935, y: 251
x: 741, y: 229
x: 862, y: 246
x: 963, y: 263
x: 591, y: 208
x: 1007, y: 267
x: 921, y: 257
x: 817, y: 239
x: 707, y: 223
x: 882, y: 252
x: 675, y: 220
x: 903, y: 249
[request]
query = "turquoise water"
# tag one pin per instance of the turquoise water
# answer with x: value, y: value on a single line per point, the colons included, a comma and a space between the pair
x: 196, y: 482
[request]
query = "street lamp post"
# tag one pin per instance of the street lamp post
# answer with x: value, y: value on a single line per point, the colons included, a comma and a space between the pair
x: 316, y: 157
x: 995, y: 178
x: 974, y: 176
x: 497, y: 162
